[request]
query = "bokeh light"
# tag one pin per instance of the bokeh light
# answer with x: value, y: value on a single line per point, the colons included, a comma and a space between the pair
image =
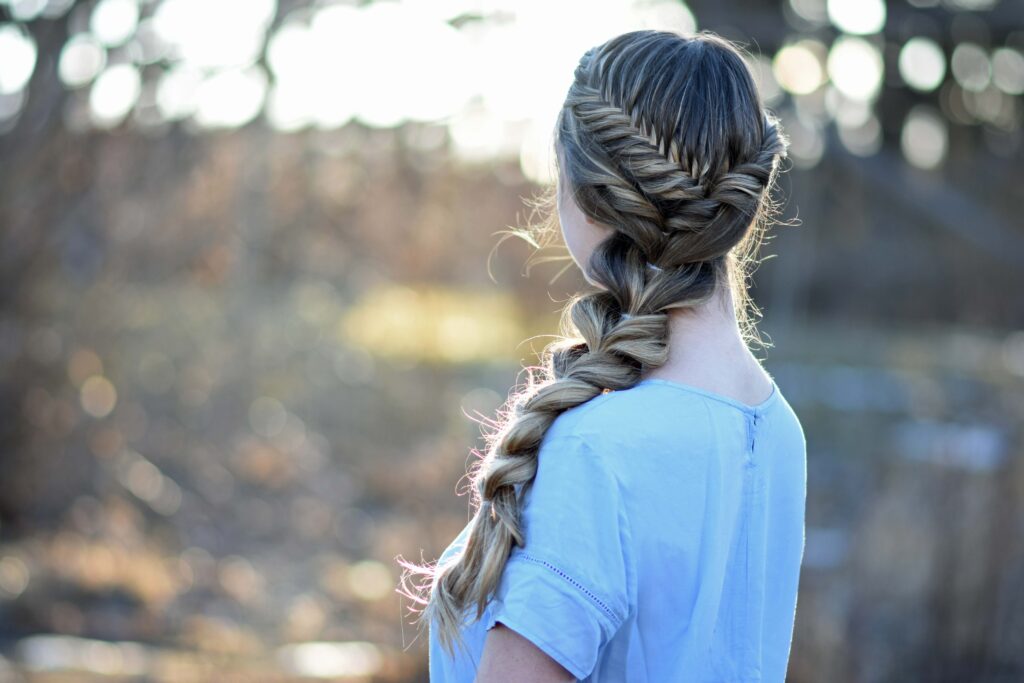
x: 81, y: 60
x: 331, y: 660
x: 113, y: 94
x: 768, y: 85
x: 98, y: 396
x: 14, y: 576
x: 922, y: 64
x: 201, y: 64
x: 1008, y: 70
x: 230, y: 98
x: 814, y: 12
x: 924, y: 138
x: 807, y: 139
x: 800, y: 68
x: 177, y: 93
x: 436, y: 323
x: 371, y: 580
x: 114, y: 21
x: 227, y: 33
x: 863, y: 138
x: 971, y: 67
x: 857, y: 16
x: 17, y: 58
x: 10, y: 107
x: 855, y: 67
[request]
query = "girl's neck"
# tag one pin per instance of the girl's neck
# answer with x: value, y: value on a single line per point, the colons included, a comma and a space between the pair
x: 706, y: 349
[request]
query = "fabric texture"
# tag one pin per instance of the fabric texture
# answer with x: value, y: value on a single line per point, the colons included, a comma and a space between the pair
x: 664, y: 537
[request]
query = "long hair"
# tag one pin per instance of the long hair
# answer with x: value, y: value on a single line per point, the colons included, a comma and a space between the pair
x: 665, y: 139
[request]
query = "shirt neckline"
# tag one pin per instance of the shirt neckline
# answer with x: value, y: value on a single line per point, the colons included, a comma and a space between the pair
x: 758, y: 409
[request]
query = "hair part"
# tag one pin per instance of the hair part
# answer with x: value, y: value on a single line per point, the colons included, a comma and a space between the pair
x: 664, y: 138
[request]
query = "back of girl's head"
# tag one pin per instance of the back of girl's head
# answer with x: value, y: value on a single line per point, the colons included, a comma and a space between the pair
x: 662, y: 137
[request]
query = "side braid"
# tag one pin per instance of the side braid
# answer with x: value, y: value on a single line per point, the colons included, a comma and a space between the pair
x: 607, y: 355
x: 678, y: 165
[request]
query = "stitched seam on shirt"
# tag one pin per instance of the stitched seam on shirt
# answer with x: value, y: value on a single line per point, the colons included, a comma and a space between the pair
x: 615, y: 620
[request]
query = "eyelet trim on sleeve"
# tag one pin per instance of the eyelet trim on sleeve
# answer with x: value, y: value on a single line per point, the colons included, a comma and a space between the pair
x: 611, y: 615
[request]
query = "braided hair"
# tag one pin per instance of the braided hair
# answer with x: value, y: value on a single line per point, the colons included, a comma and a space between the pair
x: 665, y: 139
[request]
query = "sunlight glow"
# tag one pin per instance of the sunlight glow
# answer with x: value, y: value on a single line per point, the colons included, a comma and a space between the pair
x: 63, y: 653
x: 479, y: 135
x: 17, y: 58
x: 495, y: 78
x: 434, y: 84
x: 331, y: 660
x: 529, y: 62
x: 855, y: 66
x: 226, y: 33
x: 114, y: 94
x: 293, y: 102
x: 535, y: 158
x: 857, y: 16
x: 230, y: 98
x: 432, y: 323
x: 176, y: 92
x: 114, y: 21
x: 337, y: 35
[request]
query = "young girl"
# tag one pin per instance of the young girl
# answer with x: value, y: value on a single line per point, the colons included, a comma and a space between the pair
x: 641, y: 509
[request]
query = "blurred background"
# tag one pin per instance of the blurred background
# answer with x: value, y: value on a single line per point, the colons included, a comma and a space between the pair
x: 254, y: 300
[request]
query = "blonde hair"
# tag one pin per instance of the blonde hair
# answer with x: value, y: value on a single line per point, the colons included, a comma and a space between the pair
x: 665, y: 139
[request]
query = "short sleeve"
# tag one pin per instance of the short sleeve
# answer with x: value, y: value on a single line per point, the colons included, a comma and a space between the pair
x: 567, y: 590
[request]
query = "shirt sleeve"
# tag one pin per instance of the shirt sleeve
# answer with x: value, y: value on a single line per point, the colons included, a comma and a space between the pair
x: 567, y: 590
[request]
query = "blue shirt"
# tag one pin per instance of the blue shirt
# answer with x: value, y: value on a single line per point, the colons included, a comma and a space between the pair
x: 664, y: 538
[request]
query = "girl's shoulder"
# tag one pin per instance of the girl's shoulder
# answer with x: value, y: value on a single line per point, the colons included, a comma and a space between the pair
x: 643, y: 412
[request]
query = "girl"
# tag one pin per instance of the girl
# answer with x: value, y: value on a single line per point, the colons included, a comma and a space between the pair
x: 640, y: 513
